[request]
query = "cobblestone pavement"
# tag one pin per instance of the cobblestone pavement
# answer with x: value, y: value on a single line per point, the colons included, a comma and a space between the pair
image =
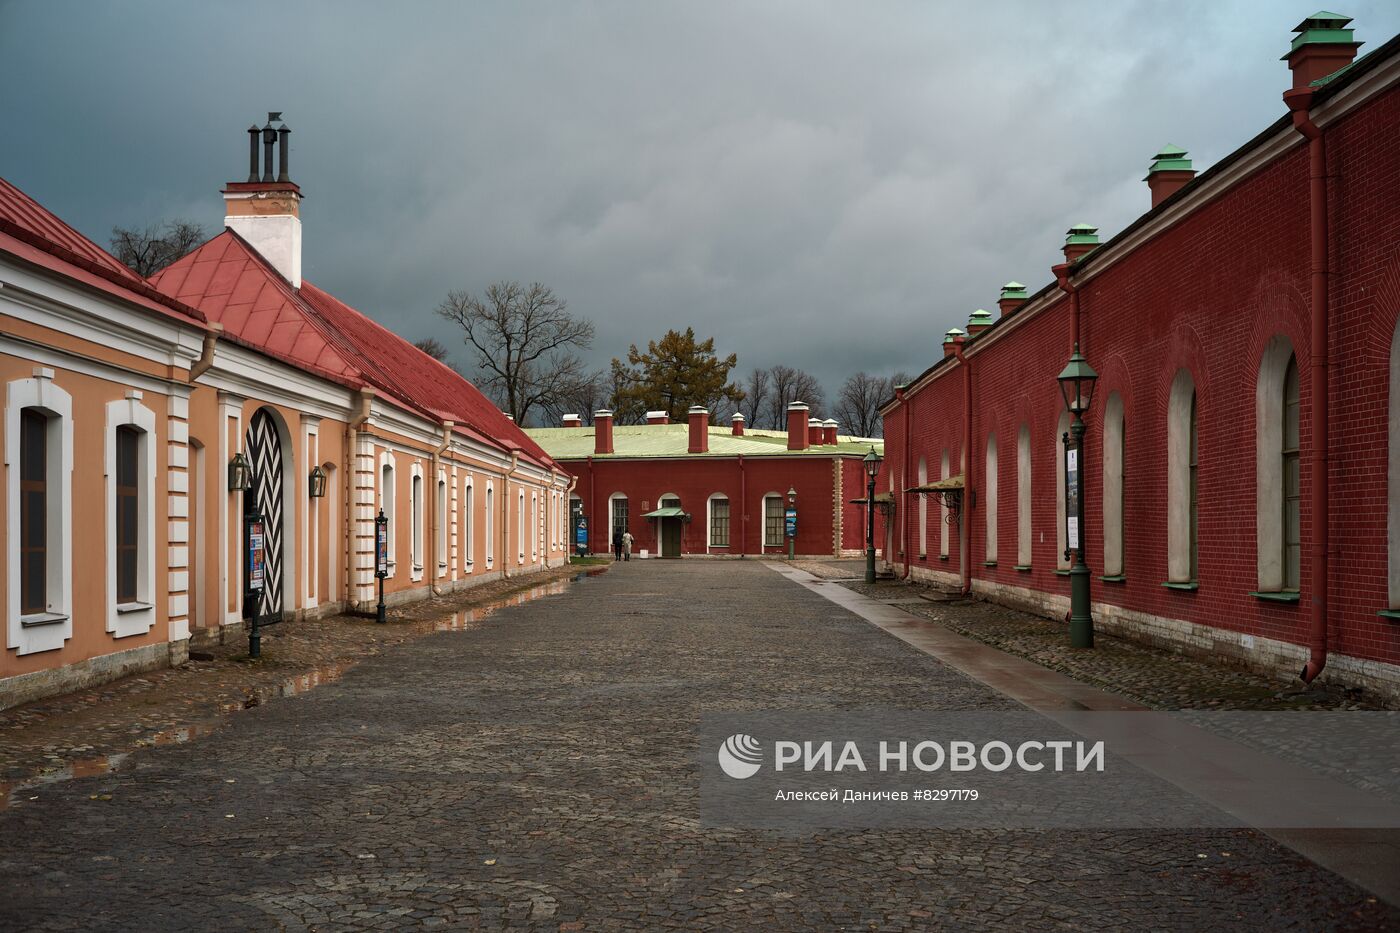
x: 85, y: 730
x: 1152, y: 676
x: 537, y: 771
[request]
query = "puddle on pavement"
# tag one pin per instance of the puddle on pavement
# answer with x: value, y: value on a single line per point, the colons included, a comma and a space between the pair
x: 13, y: 792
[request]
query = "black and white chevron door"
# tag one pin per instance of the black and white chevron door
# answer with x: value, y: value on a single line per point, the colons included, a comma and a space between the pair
x: 265, y: 454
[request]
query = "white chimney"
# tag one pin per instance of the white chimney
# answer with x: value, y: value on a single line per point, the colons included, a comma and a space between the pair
x: 265, y: 210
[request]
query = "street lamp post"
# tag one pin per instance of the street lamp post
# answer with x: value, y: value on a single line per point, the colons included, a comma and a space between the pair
x: 381, y: 559
x: 1077, y: 389
x: 790, y: 520
x: 872, y: 468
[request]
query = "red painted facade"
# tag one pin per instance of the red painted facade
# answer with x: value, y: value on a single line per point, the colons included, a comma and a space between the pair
x: 1203, y: 282
x: 820, y: 532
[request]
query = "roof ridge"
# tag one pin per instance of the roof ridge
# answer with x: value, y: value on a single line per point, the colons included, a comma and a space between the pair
x: 22, y: 203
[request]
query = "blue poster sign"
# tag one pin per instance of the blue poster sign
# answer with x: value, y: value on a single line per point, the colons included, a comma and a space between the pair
x: 581, y: 532
x: 790, y: 522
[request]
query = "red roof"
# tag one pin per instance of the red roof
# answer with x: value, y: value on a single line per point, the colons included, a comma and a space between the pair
x: 32, y: 233
x: 227, y: 280
x: 24, y: 211
x: 311, y: 329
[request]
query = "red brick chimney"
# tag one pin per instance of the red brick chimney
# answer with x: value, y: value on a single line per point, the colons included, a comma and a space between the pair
x: 572, y: 421
x: 602, y: 431
x: 738, y: 420
x: 1013, y: 295
x: 1080, y: 239
x: 699, y: 429
x: 950, y: 341
x: 978, y: 321
x: 1169, y: 173
x: 831, y: 432
x: 797, y: 414
x: 658, y: 417
x: 1322, y: 47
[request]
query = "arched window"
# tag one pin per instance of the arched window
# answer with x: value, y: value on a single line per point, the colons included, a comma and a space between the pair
x: 1182, y: 562
x: 617, y: 517
x: 1113, y: 486
x: 942, y: 512
x: 1023, y: 498
x: 923, y: 510
x: 1062, y: 426
x: 520, y: 527
x: 386, y: 504
x: 535, y: 528
x: 1276, y: 468
x: 468, y: 533
x: 773, y: 520
x: 38, y: 426
x: 989, y: 483
x: 490, y: 525
x: 415, y: 509
x: 441, y: 536
x: 719, y: 520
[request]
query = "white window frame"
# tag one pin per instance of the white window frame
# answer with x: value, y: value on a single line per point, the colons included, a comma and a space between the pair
x: 136, y: 618
x: 1114, y: 427
x: 50, y: 630
x: 388, y: 504
x: 943, y: 468
x: 710, y: 522
x: 469, y: 517
x: 1268, y: 462
x: 1025, y: 546
x: 1179, y: 403
x: 989, y: 482
x: 490, y: 524
x: 1062, y: 562
x: 617, y: 495
x: 923, y: 508
x: 520, y: 527
x: 440, y: 538
x: 416, y: 515
x: 782, y: 509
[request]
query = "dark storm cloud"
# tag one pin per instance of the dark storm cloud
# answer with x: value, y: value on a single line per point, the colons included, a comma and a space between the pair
x: 830, y: 185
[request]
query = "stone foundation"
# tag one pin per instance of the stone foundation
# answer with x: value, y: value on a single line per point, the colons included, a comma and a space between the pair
x: 99, y: 670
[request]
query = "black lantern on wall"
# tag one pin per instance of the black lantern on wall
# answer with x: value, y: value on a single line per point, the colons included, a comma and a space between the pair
x: 316, y: 482
x: 1077, y: 381
x: 240, y: 473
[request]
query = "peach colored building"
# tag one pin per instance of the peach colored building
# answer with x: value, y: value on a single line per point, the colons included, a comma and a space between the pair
x: 128, y: 404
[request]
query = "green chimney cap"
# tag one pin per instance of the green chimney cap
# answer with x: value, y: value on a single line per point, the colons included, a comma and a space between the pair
x: 1170, y: 159
x: 1013, y: 290
x: 1322, y: 28
x: 979, y: 317
x: 953, y: 334
x: 1082, y: 233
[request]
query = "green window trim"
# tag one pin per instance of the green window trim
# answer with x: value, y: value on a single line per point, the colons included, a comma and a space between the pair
x: 1389, y: 614
x: 1061, y: 573
x: 1280, y: 596
x: 1024, y: 568
x: 1188, y: 586
x: 942, y: 556
x: 989, y: 563
x: 1114, y: 578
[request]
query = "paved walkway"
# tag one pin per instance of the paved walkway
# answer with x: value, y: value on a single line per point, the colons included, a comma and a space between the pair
x: 536, y: 771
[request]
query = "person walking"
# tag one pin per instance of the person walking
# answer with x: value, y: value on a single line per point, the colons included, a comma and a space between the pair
x: 627, y: 541
x: 617, y: 544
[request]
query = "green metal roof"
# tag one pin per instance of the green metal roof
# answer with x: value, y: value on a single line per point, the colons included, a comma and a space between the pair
x: 979, y: 317
x: 669, y: 512
x: 1013, y: 290
x: 1322, y: 28
x: 1170, y: 159
x: 1082, y: 233
x: 632, y: 441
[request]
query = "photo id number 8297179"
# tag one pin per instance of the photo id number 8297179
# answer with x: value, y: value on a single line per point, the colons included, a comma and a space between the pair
x: 942, y: 794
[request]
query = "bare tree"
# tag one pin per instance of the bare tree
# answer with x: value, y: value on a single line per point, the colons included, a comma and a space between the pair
x: 792, y: 385
x: 858, y: 404
x: 756, y: 389
x: 525, y: 341
x: 148, y: 250
x: 585, y: 396
x: 433, y: 348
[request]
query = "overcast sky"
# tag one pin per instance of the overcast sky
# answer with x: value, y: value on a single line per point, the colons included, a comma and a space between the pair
x: 829, y: 185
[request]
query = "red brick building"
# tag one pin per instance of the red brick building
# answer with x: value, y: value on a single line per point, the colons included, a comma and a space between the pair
x: 699, y: 490
x: 1243, y: 445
